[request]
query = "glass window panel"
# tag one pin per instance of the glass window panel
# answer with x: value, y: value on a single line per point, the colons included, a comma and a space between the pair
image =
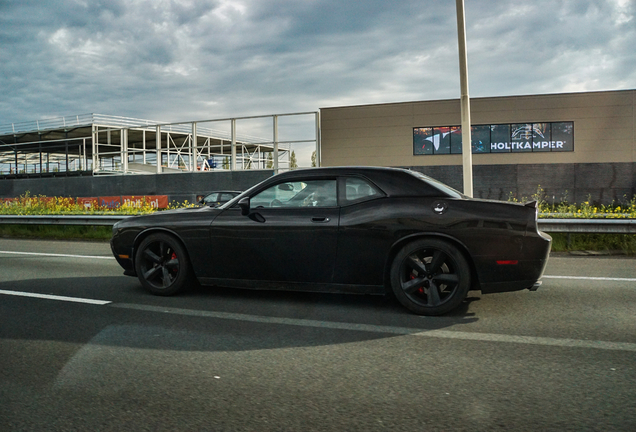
x: 541, y: 137
x: 456, y: 139
x: 213, y: 197
x: 422, y: 141
x: 480, y: 139
x: 357, y: 190
x: 521, y: 137
x: 311, y: 193
x: 562, y: 136
x: 226, y: 197
x: 500, y: 138
x: 441, y: 140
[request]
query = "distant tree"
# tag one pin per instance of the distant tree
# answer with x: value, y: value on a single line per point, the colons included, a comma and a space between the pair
x: 293, y: 163
x: 313, y: 159
x: 270, y: 161
x: 226, y: 163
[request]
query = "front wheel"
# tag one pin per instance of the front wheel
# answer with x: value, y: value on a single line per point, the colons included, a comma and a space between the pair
x: 162, y: 265
x: 430, y: 277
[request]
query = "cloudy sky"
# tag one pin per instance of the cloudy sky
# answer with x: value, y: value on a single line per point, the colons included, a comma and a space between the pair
x: 174, y: 60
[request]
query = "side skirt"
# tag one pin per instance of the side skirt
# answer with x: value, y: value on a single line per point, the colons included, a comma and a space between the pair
x: 294, y: 286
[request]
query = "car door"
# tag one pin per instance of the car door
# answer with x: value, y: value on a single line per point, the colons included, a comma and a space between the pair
x: 290, y: 235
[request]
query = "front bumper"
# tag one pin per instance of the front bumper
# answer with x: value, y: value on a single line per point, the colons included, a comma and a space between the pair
x: 124, y: 259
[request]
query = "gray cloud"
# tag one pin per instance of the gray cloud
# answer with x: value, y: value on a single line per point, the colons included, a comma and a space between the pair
x: 184, y: 60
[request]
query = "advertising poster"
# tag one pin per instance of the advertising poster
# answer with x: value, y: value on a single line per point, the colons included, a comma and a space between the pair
x: 501, y: 138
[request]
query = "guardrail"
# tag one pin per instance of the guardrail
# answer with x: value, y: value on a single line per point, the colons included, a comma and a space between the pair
x: 600, y: 226
x: 87, y: 220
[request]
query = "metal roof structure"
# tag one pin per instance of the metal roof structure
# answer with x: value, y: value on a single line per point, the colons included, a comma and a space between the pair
x: 95, y: 144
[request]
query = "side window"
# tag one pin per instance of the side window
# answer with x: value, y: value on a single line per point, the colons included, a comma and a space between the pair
x: 358, y: 190
x: 307, y: 193
x: 213, y: 197
x: 226, y: 197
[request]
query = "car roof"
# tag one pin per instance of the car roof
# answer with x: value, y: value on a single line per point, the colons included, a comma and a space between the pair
x: 393, y: 181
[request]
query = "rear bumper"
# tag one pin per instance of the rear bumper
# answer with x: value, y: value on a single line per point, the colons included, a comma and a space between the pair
x: 525, y: 274
x: 518, y: 285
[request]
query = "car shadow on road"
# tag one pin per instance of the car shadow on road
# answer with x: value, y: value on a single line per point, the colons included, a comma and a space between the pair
x: 215, y: 318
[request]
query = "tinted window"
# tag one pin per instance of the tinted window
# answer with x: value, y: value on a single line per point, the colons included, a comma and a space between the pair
x: 500, y: 138
x: 563, y: 136
x: 504, y: 138
x: 437, y: 184
x: 456, y: 139
x: 423, y: 141
x: 357, y: 190
x: 442, y: 140
x: 541, y: 137
x: 213, y: 197
x: 309, y: 193
x: 521, y: 137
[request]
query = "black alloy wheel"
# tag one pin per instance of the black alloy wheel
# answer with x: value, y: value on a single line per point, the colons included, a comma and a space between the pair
x: 430, y: 277
x: 162, y: 265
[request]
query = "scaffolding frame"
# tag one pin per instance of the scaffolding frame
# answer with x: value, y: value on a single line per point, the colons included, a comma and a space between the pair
x: 107, y: 145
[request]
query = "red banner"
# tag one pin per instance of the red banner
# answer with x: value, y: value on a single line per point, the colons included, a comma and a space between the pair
x: 110, y: 201
x: 133, y: 201
x: 88, y: 203
x: 157, y: 201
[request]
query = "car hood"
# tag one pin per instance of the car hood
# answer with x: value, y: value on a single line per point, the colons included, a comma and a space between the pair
x: 164, y: 215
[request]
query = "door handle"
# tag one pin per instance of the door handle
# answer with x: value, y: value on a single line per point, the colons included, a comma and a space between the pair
x: 320, y: 219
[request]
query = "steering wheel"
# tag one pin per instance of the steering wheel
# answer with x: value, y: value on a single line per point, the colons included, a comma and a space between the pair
x: 276, y: 203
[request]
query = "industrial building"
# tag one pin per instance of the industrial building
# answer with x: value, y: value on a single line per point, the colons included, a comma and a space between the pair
x: 572, y: 146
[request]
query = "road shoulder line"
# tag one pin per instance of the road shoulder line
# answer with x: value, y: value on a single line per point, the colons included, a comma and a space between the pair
x: 55, y: 297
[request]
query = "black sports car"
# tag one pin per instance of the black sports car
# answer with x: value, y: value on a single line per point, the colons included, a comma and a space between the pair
x: 357, y: 230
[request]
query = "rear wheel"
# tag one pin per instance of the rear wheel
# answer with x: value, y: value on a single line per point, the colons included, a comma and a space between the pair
x: 430, y: 277
x: 162, y: 265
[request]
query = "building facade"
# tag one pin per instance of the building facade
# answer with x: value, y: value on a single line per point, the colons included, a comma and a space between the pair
x: 574, y: 147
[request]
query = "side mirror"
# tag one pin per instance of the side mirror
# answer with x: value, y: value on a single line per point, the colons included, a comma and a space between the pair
x: 244, y: 204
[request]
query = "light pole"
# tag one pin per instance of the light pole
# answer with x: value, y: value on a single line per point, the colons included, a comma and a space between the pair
x: 467, y: 155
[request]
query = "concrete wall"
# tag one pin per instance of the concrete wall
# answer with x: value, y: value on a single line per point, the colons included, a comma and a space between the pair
x: 601, y: 183
x: 179, y: 187
x: 601, y: 165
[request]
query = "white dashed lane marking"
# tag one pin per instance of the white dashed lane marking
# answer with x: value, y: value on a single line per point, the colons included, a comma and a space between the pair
x: 57, y: 255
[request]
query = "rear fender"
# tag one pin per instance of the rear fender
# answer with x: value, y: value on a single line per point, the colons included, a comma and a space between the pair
x: 395, y: 248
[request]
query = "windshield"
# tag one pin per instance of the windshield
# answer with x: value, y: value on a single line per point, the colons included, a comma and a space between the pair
x: 236, y: 199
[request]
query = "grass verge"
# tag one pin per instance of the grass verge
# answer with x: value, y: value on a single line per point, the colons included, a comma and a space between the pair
x: 57, y: 232
x: 621, y: 243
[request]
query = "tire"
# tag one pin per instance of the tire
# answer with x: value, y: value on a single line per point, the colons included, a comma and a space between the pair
x: 430, y: 277
x: 162, y: 265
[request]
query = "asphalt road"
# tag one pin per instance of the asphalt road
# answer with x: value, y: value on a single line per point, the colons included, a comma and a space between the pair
x: 561, y: 358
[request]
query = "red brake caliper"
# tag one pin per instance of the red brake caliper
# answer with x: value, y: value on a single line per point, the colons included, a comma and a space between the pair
x: 174, y: 257
x: 419, y: 290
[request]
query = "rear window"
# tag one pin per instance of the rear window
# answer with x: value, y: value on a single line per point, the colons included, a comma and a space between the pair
x: 437, y: 184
